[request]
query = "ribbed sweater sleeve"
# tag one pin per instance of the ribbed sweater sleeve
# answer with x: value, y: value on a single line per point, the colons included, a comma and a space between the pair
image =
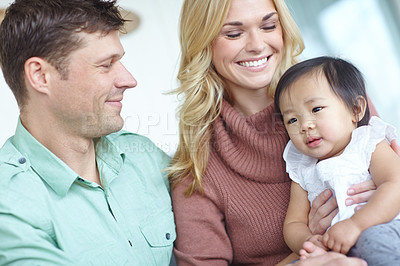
x: 200, y: 227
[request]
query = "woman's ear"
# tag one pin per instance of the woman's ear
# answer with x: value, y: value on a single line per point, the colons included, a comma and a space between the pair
x: 36, y: 74
x: 359, y: 109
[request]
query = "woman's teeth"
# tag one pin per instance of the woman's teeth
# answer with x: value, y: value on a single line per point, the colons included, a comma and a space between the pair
x: 254, y: 63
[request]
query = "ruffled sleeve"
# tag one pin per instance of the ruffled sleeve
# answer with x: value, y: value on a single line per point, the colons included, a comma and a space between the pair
x: 379, y: 126
x: 297, y: 163
x: 378, y: 130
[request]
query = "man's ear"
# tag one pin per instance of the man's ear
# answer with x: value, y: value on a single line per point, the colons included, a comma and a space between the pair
x: 359, y: 109
x: 37, y: 74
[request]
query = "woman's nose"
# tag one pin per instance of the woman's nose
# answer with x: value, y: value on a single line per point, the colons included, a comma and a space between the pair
x: 255, y: 42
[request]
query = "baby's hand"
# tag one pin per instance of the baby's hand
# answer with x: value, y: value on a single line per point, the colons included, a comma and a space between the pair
x: 311, y: 250
x: 317, y: 241
x: 342, y: 236
x: 312, y: 247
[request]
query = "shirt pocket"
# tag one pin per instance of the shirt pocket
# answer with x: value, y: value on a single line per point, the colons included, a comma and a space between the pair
x: 159, y: 230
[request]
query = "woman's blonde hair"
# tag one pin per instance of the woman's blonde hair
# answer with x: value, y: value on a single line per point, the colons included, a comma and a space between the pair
x: 201, y: 87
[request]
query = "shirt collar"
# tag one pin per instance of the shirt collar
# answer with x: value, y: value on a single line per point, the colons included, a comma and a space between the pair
x: 58, y: 175
x: 110, y: 156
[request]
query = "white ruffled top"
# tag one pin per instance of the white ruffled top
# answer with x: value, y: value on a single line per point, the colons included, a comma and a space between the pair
x: 340, y: 172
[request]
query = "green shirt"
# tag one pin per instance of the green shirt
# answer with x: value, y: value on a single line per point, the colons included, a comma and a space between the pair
x: 51, y: 216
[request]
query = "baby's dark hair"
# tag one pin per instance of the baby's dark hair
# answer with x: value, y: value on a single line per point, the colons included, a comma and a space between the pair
x: 345, y: 80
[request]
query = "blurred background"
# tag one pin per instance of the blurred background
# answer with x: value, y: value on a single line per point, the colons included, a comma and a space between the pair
x: 365, y: 32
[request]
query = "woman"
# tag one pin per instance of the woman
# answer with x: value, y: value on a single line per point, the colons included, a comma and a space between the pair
x: 230, y: 189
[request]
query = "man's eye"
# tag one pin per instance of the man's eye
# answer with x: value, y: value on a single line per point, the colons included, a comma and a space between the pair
x: 316, y: 109
x: 291, y: 121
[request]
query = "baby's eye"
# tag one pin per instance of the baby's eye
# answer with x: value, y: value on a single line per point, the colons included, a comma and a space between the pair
x: 292, y: 120
x: 317, y: 109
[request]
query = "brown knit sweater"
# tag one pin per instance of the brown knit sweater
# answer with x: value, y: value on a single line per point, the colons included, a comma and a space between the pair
x: 240, y: 217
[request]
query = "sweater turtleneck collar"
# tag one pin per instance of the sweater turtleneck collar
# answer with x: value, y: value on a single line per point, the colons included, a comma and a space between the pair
x: 251, y: 146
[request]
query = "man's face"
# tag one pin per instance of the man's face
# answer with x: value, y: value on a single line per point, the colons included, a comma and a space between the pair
x: 88, y: 102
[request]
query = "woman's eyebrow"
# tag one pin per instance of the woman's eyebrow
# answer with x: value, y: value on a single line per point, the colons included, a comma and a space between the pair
x: 238, y: 23
x: 268, y: 16
x: 233, y: 23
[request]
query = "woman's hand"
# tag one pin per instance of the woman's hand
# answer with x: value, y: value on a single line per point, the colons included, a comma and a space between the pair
x: 323, y: 209
x: 312, y: 255
x: 360, y: 193
x: 330, y: 259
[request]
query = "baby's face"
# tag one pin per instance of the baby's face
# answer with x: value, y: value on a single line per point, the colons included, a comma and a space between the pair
x: 318, y: 122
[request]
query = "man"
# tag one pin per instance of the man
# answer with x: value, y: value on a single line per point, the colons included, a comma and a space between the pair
x: 72, y: 191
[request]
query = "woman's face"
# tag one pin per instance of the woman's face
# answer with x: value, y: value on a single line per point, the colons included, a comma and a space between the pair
x: 248, y: 49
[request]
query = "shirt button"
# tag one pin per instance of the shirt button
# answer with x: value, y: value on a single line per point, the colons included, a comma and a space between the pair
x: 168, y: 236
x: 22, y: 160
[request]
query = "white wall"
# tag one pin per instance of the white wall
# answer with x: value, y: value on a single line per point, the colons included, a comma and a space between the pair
x: 152, y: 56
x: 364, y: 38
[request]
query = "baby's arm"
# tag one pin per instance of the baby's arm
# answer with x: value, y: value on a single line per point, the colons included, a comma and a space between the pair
x: 295, y: 227
x: 383, y: 206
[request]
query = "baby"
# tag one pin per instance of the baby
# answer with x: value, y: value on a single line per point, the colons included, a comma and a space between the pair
x: 334, y: 145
